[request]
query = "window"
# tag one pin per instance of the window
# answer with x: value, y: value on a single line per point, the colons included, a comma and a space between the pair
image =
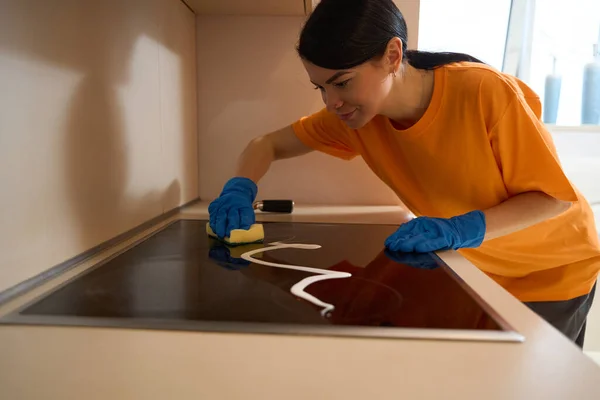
x: 527, y: 38
x: 565, y: 32
x: 475, y: 27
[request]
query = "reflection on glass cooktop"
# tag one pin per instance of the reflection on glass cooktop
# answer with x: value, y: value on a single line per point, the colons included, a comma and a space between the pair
x: 307, y: 278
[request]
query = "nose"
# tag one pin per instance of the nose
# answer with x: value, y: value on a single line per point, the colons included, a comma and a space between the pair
x: 332, y: 101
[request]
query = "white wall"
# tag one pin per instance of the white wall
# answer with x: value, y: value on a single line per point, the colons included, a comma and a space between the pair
x: 97, y: 124
x: 579, y: 152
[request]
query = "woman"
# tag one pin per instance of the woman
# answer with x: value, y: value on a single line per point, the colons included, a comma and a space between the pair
x: 461, y: 144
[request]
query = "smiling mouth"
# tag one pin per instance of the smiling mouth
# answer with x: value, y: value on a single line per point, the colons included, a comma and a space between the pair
x: 347, y: 115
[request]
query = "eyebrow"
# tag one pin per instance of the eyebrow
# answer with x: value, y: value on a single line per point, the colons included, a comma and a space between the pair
x: 337, y: 75
x: 334, y: 77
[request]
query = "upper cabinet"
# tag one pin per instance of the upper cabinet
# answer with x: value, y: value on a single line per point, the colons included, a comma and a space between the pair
x: 251, y: 7
x: 409, y: 8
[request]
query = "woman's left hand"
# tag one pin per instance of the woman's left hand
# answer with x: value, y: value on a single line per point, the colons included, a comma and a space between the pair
x: 425, y: 234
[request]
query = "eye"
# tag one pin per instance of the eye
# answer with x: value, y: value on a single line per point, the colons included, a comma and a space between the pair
x: 342, y: 84
x: 318, y: 87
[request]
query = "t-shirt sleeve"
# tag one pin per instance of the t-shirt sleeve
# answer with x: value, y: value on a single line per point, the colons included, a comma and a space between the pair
x: 324, y: 132
x: 525, y: 151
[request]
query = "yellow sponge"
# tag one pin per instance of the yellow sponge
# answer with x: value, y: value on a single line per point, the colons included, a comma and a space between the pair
x: 256, y: 234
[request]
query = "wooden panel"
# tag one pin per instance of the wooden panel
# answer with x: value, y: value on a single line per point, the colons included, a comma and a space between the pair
x: 410, y: 11
x: 89, y: 148
x: 246, y: 95
x: 178, y: 105
x: 247, y: 7
x: 310, y: 5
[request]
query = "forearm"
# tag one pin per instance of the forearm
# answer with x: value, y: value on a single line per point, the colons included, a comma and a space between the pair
x: 255, y: 160
x: 520, y: 212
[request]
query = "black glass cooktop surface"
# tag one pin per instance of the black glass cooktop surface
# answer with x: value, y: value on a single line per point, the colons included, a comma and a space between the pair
x: 306, y: 278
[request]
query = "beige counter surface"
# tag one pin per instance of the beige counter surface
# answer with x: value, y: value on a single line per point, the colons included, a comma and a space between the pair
x: 98, y: 363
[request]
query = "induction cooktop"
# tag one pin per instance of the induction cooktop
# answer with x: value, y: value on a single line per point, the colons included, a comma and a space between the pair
x: 305, y: 279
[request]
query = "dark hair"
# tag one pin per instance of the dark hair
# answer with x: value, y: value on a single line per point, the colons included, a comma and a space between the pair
x: 341, y: 34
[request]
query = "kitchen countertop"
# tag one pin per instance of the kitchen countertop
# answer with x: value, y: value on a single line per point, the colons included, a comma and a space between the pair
x: 101, y: 363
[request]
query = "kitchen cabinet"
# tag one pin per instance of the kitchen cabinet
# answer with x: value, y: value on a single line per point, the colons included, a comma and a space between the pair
x: 410, y: 9
x: 251, y: 7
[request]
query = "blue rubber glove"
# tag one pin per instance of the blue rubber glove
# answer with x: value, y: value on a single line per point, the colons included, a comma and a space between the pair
x: 426, y: 234
x: 222, y: 256
x: 233, y: 208
x: 415, y: 260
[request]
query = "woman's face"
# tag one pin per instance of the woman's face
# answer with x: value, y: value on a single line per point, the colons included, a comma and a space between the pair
x: 355, y: 95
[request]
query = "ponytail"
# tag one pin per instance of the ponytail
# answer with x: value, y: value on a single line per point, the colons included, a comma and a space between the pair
x: 431, y: 60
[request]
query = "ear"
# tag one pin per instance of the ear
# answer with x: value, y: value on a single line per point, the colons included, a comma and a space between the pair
x: 393, y: 54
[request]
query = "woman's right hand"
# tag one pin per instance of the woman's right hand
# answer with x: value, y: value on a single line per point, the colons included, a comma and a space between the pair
x: 233, y: 209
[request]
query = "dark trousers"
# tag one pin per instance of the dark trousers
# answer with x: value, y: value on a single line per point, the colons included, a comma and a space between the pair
x: 567, y: 316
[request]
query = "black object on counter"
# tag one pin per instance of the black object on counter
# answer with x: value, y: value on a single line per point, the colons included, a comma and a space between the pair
x: 276, y: 206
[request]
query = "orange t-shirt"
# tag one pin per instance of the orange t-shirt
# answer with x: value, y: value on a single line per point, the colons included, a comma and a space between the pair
x: 479, y: 142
